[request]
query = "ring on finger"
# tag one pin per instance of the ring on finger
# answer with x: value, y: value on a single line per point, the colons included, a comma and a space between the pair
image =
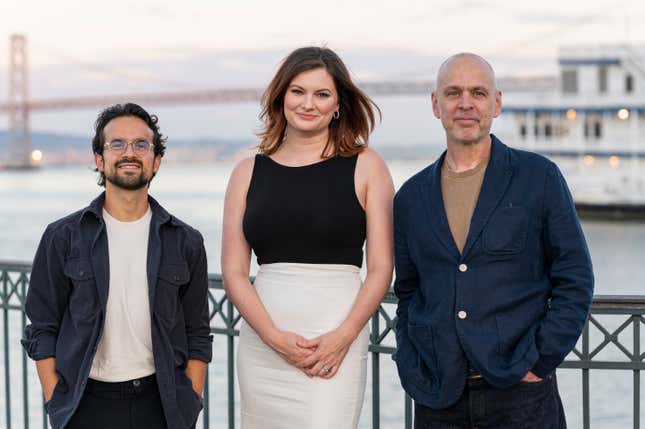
x: 325, y: 370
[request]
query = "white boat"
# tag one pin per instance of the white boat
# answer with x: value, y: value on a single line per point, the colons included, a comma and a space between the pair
x: 592, y: 123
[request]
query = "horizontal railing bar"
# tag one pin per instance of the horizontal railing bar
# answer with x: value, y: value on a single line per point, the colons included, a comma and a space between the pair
x: 602, y: 365
x: 11, y: 307
x: 382, y: 349
x: 226, y: 331
x: 15, y: 266
x: 619, y: 299
x: 625, y: 310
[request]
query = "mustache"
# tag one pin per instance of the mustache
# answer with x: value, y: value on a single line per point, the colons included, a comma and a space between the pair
x: 129, y: 161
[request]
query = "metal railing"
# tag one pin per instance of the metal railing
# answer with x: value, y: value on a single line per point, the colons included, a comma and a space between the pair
x: 14, y: 280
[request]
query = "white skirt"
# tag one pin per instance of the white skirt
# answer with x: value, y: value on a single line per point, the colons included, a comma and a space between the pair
x: 308, y: 299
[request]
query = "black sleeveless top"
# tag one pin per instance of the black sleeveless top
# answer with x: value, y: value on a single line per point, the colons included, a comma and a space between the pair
x: 307, y: 214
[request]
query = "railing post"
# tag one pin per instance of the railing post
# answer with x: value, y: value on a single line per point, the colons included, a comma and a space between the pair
x: 25, y: 381
x: 408, y: 412
x: 376, y: 374
x: 637, y: 373
x: 7, y: 373
x: 585, y: 377
x: 44, y: 412
x: 231, y: 364
x: 206, y: 415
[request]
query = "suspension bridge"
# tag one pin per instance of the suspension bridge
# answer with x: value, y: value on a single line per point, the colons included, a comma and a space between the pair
x: 20, y: 105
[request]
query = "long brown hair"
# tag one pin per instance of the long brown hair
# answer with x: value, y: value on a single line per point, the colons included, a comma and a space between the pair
x: 348, y: 134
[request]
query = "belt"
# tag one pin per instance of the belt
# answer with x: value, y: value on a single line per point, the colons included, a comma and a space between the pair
x: 123, y: 388
x: 473, y: 374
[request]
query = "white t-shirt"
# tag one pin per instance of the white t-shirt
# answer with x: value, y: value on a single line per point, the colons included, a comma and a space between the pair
x: 124, y: 351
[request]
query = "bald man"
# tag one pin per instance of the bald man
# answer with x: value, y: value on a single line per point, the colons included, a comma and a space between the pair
x: 493, y: 274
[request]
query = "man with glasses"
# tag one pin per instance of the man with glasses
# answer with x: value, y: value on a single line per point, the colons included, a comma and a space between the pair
x: 118, y: 296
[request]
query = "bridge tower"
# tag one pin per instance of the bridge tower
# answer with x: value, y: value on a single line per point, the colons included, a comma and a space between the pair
x: 18, y: 104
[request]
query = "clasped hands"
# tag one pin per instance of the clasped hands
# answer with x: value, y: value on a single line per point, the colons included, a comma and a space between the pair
x: 316, y: 357
x: 323, y: 355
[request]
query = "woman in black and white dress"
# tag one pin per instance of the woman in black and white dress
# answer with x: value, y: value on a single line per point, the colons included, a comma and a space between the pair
x: 305, y: 205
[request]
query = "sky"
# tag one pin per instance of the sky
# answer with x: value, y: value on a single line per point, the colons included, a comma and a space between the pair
x: 153, y: 29
x: 88, y: 47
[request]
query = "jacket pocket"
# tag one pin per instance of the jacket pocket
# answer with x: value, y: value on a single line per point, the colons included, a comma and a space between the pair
x: 422, y: 339
x: 505, y: 233
x: 83, y: 300
x: 171, y: 278
x: 514, y: 340
x: 190, y: 404
x: 59, y: 388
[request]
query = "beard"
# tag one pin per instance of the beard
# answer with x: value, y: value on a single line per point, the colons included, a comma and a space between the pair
x: 130, y: 182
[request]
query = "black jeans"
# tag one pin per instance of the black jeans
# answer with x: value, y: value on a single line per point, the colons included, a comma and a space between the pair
x: 133, y: 404
x: 482, y: 406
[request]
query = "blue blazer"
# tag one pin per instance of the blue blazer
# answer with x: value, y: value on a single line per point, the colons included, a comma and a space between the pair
x: 515, y: 300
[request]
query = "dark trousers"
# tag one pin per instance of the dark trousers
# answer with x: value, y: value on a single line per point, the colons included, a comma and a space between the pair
x: 482, y: 406
x: 133, y: 404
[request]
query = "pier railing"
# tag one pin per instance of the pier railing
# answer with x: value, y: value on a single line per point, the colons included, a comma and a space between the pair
x: 626, y: 338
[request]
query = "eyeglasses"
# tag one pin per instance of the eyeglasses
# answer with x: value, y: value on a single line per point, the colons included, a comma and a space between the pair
x: 139, y: 147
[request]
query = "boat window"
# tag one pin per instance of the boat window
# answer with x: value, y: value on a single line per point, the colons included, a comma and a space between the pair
x: 523, y: 130
x: 602, y: 79
x: 570, y: 81
x: 598, y: 130
x: 547, y: 130
x: 629, y: 83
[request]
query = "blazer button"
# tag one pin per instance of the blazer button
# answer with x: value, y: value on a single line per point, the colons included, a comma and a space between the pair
x: 176, y: 278
x: 462, y: 314
x: 463, y: 268
x: 81, y: 273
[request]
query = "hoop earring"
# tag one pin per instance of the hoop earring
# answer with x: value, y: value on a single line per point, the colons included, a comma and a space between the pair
x: 336, y: 114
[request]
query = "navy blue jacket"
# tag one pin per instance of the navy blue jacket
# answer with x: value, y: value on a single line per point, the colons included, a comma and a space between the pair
x: 67, y: 297
x: 517, y: 297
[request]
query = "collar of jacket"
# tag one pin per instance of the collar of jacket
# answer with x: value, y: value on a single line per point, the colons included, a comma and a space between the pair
x: 159, y: 214
x: 500, y: 161
x: 99, y: 246
x: 496, y: 180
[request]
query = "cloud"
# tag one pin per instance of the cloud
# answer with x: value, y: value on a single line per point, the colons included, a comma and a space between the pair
x: 553, y: 19
x: 236, y: 64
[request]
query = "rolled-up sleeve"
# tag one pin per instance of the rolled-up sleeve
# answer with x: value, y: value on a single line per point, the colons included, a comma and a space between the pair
x: 47, y: 297
x: 195, y: 306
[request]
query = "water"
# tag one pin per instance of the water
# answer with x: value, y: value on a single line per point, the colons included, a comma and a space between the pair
x: 195, y: 193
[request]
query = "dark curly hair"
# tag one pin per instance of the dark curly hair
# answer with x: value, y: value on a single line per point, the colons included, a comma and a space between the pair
x: 127, y: 109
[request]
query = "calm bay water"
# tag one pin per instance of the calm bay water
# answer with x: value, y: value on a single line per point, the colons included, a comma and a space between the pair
x: 195, y: 193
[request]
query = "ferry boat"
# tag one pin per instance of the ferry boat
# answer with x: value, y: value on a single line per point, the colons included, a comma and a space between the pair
x: 592, y: 124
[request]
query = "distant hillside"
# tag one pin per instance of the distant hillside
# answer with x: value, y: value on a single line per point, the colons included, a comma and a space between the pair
x: 49, y: 141
x: 69, y: 148
x: 74, y: 149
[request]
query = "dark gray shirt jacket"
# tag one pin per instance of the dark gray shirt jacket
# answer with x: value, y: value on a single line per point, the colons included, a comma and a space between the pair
x: 515, y: 300
x: 67, y: 298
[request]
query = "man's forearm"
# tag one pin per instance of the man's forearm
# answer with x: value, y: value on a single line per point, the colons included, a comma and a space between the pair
x: 196, y: 372
x: 47, y: 374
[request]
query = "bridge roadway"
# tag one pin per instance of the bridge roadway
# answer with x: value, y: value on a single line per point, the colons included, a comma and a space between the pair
x: 230, y: 95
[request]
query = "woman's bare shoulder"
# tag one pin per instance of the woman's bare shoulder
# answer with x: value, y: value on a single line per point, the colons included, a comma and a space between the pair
x: 242, y: 172
x: 372, y: 162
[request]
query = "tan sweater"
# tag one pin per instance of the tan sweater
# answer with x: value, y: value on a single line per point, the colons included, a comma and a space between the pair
x: 460, y: 192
